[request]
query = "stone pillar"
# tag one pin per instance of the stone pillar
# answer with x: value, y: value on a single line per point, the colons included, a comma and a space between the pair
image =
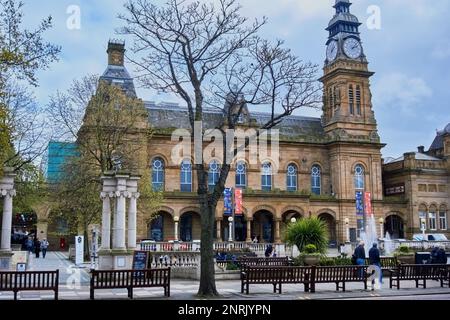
x: 219, y: 230
x: 120, y: 221
x: 7, y: 219
x: 277, y: 231
x: 132, y: 216
x: 249, y: 231
x: 176, y: 220
x: 106, y: 220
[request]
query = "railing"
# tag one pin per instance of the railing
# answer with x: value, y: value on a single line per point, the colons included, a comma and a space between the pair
x: 175, y: 259
x: 280, y: 250
x: 418, y: 245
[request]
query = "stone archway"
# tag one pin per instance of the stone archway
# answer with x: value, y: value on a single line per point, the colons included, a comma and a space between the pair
x: 263, y: 226
x: 190, y: 226
x: 287, y: 216
x: 395, y: 226
x: 162, y: 227
x: 330, y: 221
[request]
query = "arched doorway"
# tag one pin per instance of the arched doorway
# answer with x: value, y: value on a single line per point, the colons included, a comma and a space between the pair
x: 161, y: 228
x: 287, y: 219
x: 395, y: 225
x: 240, y: 229
x: 263, y: 226
x: 190, y: 227
x: 331, y: 226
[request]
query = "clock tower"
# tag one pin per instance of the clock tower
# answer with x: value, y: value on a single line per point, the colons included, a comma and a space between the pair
x: 347, y: 105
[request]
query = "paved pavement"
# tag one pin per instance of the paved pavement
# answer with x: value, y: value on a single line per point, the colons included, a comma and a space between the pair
x: 74, y: 285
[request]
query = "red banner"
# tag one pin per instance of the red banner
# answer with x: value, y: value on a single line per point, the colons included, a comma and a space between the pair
x: 238, y: 202
x: 368, y: 203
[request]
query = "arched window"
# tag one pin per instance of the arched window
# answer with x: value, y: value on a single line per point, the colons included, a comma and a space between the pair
x: 266, y: 176
x: 358, y: 100
x: 351, y: 100
x: 316, y: 180
x: 186, y: 176
x: 158, y: 174
x: 213, y: 174
x: 241, y: 175
x: 291, y: 177
x: 443, y: 217
x: 432, y: 218
x: 359, y: 177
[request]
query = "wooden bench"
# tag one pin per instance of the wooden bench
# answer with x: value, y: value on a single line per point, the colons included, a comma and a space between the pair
x: 259, y: 262
x: 338, y: 275
x: 387, y: 263
x: 276, y: 276
x: 30, y: 281
x: 130, y: 279
x: 419, y: 273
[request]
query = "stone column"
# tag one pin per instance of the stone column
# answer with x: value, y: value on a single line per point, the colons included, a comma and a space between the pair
x: 249, y: 231
x: 120, y: 221
x: 219, y: 230
x: 277, y: 231
x: 176, y: 220
x: 132, y: 216
x: 7, y: 219
x: 106, y: 220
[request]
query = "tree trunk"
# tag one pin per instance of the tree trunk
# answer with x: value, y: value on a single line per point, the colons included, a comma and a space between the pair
x: 207, y: 276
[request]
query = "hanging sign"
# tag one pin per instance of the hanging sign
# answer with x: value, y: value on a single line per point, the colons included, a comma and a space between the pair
x: 368, y: 203
x: 79, y: 250
x: 359, y: 204
x: 228, y: 202
x: 238, y: 202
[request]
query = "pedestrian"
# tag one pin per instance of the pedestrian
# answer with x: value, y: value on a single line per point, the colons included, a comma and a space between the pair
x: 375, y: 260
x: 434, y: 255
x: 37, y: 247
x: 441, y: 256
x: 44, y: 247
x: 359, y: 256
x: 269, y: 251
x: 29, y: 245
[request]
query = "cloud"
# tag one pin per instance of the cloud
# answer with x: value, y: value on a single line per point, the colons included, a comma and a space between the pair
x: 441, y: 51
x: 397, y: 89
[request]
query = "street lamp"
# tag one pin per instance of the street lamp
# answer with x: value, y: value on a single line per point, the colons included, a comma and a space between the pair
x: 176, y: 219
x: 293, y: 220
x: 347, y: 230
x: 230, y: 225
x: 423, y: 227
x: 381, y: 221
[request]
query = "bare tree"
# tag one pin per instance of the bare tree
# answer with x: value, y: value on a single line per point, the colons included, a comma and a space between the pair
x: 209, y: 54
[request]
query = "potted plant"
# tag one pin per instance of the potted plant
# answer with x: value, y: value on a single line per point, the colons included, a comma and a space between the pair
x: 311, y: 257
x: 405, y: 255
x: 308, y: 231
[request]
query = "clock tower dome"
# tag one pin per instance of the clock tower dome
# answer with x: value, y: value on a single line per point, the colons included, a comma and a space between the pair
x: 347, y: 102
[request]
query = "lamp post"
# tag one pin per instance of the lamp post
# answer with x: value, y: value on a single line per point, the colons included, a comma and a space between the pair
x: 381, y: 222
x: 230, y: 226
x: 176, y: 219
x: 423, y: 227
x: 293, y: 220
x: 347, y: 230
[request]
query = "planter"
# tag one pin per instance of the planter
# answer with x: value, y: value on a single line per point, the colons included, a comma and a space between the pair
x: 406, y: 259
x: 311, y: 259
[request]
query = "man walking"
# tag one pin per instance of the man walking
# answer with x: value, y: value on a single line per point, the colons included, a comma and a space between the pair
x: 44, y: 247
x: 375, y: 259
x: 360, y: 257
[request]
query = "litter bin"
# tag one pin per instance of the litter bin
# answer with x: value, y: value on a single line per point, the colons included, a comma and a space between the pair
x: 423, y: 257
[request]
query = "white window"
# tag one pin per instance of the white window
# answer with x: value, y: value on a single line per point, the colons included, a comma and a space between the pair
x: 443, y: 220
x: 359, y: 177
x: 432, y: 220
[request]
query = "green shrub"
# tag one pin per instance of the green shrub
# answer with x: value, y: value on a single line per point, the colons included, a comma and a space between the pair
x: 232, y: 267
x: 299, y: 261
x: 308, y: 231
x: 310, y: 249
x: 326, y: 262
x: 404, y: 249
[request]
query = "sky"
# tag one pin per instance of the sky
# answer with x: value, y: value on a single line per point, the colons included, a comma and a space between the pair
x: 408, y: 49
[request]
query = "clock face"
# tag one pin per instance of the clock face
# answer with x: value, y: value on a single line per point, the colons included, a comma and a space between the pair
x: 332, y: 50
x: 352, y: 48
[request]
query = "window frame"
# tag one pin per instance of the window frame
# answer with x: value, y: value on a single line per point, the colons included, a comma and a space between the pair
x: 318, y: 176
x: 241, y: 175
x: 160, y: 174
x: 265, y: 178
x: 359, y: 178
x: 186, y: 174
x: 292, y: 178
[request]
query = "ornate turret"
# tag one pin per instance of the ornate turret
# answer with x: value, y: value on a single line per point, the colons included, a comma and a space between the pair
x: 116, y: 73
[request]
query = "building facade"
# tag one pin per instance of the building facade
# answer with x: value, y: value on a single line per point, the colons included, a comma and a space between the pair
x: 324, y: 162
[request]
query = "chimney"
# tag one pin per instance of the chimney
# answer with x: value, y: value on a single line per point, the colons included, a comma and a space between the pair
x: 116, y: 52
x: 421, y: 149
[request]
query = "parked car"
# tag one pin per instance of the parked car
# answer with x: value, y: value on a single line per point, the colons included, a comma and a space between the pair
x: 430, y: 237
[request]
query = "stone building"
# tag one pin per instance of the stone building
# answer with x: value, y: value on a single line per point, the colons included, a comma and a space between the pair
x: 324, y: 161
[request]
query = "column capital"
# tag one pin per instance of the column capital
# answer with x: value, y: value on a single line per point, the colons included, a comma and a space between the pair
x: 8, y: 193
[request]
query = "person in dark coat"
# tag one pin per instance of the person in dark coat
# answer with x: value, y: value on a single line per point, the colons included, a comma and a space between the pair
x: 375, y: 259
x: 269, y: 251
x: 360, y: 257
x: 37, y: 247
x: 441, y: 256
x: 434, y: 255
